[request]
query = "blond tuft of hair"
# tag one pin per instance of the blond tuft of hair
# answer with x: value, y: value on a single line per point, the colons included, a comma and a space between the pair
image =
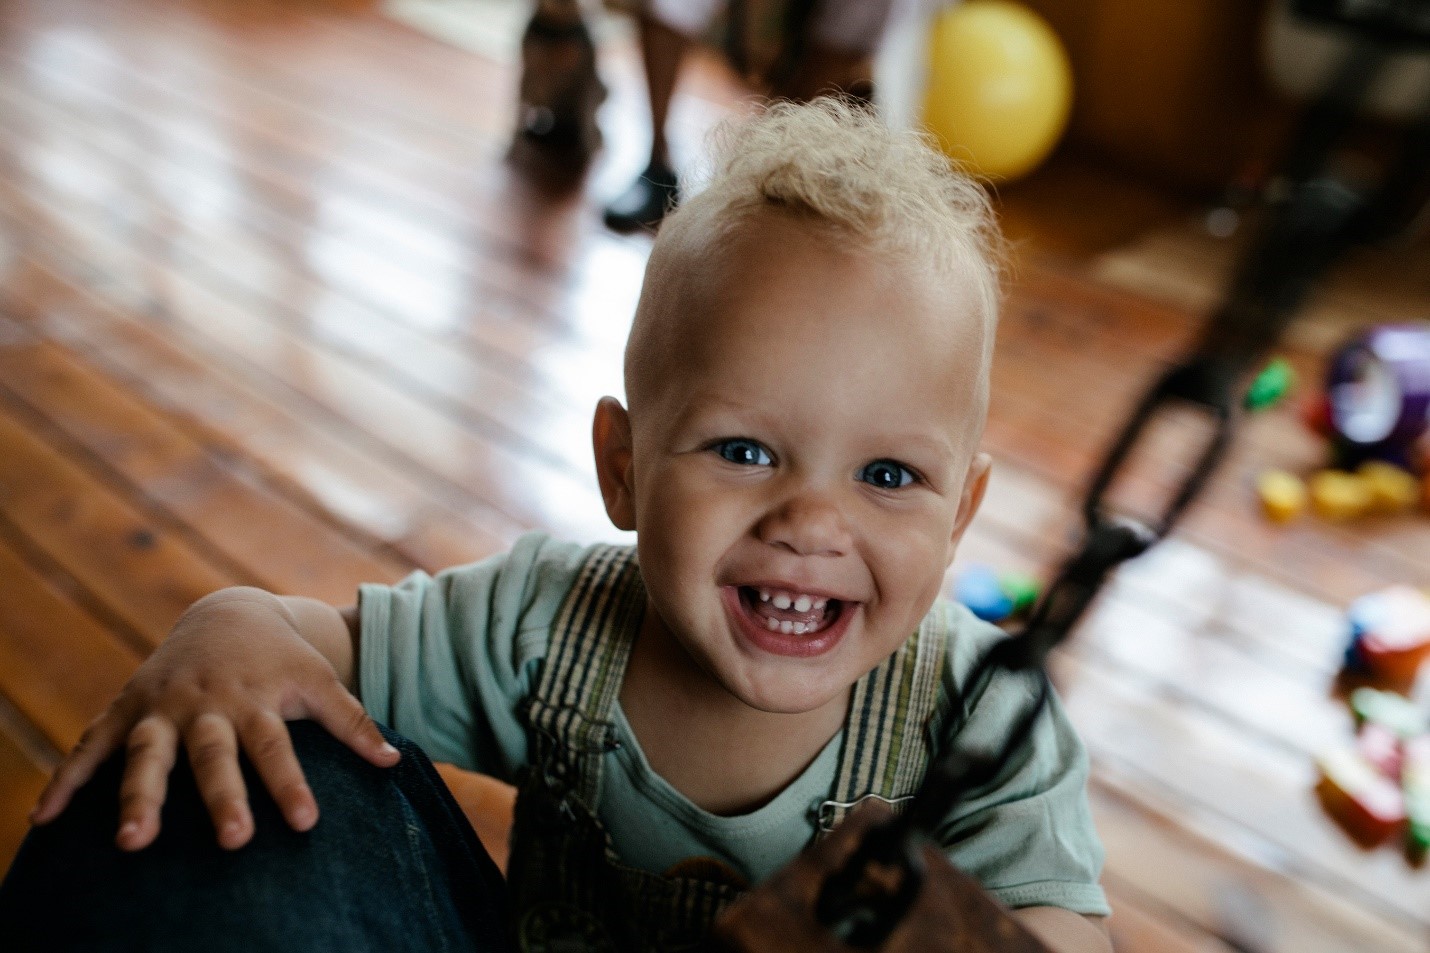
x: 836, y: 161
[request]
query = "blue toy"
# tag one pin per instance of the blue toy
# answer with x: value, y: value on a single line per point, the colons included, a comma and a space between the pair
x: 979, y: 588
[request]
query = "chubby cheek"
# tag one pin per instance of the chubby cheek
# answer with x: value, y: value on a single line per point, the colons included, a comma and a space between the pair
x: 684, y: 530
x: 910, y: 560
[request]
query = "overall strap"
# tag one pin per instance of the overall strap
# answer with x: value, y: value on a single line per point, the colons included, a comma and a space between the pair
x: 887, y: 736
x: 585, y: 662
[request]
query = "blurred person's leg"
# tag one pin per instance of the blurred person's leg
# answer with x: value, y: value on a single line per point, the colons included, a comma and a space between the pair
x: 837, y: 51
x: 560, y: 87
x: 666, y: 28
x: 834, y: 54
x: 392, y: 865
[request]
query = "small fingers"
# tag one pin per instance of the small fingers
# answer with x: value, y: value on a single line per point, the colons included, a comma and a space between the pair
x: 213, y: 753
x: 265, y: 738
x: 337, y: 710
x: 100, y: 740
x: 153, y: 745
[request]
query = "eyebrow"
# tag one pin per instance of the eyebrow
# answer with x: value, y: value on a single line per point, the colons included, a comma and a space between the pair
x: 924, y: 444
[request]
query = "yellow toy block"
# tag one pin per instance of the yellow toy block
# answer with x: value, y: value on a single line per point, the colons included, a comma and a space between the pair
x: 1283, y: 495
x: 1338, y: 495
x: 1392, y: 489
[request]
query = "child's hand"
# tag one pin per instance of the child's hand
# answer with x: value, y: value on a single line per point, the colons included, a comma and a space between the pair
x: 236, y: 666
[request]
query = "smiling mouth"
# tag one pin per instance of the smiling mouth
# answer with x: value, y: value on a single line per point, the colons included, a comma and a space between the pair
x: 790, y: 613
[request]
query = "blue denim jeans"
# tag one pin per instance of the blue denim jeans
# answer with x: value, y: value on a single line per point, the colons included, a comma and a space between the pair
x: 391, y: 866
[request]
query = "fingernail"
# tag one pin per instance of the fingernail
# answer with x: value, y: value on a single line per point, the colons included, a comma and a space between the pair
x: 129, y: 829
x: 387, y: 748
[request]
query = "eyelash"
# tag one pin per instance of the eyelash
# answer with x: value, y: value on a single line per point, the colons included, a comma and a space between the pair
x: 724, y: 449
x: 904, y: 471
x: 721, y: 446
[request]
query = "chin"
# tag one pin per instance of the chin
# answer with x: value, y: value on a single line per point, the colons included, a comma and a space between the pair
x: 775, y: 701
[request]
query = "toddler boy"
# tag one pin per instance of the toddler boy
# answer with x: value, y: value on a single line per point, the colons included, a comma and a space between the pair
x: 806, y: 382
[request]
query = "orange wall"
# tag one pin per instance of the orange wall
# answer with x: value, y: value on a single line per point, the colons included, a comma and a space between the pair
x: 1169, y: 89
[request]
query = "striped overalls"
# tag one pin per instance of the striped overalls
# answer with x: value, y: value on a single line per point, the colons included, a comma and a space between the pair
x: 569, y: 888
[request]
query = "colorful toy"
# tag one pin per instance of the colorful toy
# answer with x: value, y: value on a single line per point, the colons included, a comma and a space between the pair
x: 1415, y: 784
x: 999, y: 89
x: 1392, y: 489
x: 1390, y: 710
x: 1390, y: 634
x: 1379, y: 389
x: 1339, y: 496
x: 995, y: 598
x: 977, y: 587
x: 1271, y: 386
x: 1376, y: 414
x: 1382, y: 783
x: 1400, y: 642
x: 1381, y: 747
x: 1283, y: 495
x: 1370, y: 806
x: 1316, y: 415
x: 1022, y: 589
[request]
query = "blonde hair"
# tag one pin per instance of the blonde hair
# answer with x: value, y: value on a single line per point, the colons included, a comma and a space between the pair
x: 836, y: 163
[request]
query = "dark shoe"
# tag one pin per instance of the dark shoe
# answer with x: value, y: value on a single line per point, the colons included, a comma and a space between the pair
x: 645, y: 203
x: 560, y: 91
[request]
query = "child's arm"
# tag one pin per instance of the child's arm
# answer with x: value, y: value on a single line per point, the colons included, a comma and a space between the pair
x: 1063, y: 931
x: 235, y: 667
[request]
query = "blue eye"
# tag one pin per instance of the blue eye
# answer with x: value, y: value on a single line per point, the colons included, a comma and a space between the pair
x: 743, y: 452
x: 887, y: 475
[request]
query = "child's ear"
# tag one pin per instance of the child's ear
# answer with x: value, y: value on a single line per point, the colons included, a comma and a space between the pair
x: 611, y: 434
x: 974, y: 486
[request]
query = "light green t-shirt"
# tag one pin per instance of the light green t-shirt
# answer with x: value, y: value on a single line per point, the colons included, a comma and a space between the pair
x: 447, y: 660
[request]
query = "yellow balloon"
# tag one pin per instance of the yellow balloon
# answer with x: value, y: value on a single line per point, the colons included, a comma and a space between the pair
x: 999, y: 88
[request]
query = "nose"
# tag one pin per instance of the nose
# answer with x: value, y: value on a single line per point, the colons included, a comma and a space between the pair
x: 806, y: 523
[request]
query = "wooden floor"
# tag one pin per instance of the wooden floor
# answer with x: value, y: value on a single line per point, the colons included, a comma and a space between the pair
x: 274, y: 310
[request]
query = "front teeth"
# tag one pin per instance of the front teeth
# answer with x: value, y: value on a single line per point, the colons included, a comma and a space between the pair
x: 787, y: 627
x: 801, y: 604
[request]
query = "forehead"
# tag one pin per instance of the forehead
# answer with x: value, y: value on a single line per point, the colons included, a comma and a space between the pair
x: 781, y: 282
x: 805, y: 320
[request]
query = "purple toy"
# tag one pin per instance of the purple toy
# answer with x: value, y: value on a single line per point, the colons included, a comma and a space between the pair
x: 1379, y: 388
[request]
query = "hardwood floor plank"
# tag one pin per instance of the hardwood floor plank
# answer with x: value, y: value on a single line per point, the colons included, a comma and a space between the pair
x: 528, y: 247
x: 224, y: 508
x: 428, y: 523
x: 315, y: 274
x: 59, y: 668
x: 141, y: 571
x: 1194, y: 884
x: 1247, y: 793
x: 527, y: 490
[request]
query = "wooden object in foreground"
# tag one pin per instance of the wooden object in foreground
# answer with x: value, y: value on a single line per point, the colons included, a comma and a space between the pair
x: 952, y: 912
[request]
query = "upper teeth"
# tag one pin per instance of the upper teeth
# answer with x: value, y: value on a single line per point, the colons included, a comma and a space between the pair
x: 797, y: 601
